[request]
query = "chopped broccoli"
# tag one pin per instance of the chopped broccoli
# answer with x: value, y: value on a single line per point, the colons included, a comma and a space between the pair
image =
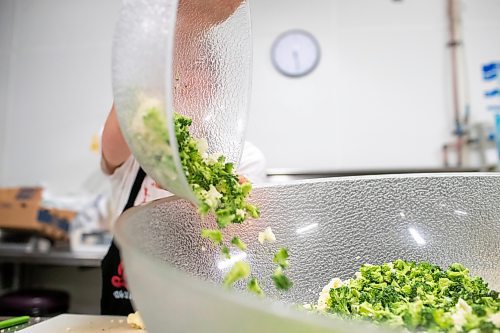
x: 236, y: 241
x: 339, y: 300
x: 225, y: 252
x: 213, y: 181
x: 281, y: 281
x: 239, y: 271
x: 254, y: 287
x: 214, y: 235
x: 211, y: 178
x: 281, y: 258
x: 418, y: 296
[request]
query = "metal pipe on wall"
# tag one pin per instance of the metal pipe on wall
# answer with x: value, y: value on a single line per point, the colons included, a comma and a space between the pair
x: 460, y: 89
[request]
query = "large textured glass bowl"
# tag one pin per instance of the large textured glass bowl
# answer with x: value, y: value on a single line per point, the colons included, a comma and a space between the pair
x: 193, y: 58
x: 330, y: 226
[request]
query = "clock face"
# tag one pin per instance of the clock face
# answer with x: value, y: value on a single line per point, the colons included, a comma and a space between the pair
x: 295, y: 53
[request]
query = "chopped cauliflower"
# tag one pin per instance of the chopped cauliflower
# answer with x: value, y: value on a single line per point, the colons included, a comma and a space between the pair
x: 202, y: 145
x: 134, y: 320
x: 324, y: 295
x: 212, y: 158
x: 463, y: 306
x: 308, y: 306
x: 145, y: 104
x: 460, y: 316
x: 495, y: 319
x: 267, y: 236
x: 391, y: 266
x: 240, y: 213
x: 212, y: 197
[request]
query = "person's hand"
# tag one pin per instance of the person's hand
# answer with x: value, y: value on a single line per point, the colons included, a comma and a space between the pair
x: 206, y: 12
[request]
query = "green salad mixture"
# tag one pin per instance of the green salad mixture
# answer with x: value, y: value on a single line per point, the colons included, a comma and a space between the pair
x: 418, y: 296
x: 217, y: 187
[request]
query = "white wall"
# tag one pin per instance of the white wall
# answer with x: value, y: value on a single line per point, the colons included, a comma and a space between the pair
x: 6, y: 24
x: 380, y: 97
x: 370, y: 100
x: 482, y: 41
x: 59, y: 90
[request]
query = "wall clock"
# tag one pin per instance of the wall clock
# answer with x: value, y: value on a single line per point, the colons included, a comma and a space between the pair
x: 295, y: 53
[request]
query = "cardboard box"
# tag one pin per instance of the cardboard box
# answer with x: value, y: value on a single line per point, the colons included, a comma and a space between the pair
x: 59, y: 218
x: 20, y: 209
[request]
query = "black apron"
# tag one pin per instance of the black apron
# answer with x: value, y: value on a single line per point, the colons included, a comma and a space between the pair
x: 115, y: 297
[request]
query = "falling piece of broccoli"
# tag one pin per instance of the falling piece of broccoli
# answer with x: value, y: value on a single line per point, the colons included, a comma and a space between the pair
x: 236, y: 241
x: 239, y: 271
x: 254, y: 287
x: 225, y: 251
x: 214, y: 235
x: 281, y: 258
x: 281, y: 281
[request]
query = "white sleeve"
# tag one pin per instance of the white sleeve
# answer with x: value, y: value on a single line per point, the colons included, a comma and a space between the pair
x: 253, y: 164
x: 121, y: 181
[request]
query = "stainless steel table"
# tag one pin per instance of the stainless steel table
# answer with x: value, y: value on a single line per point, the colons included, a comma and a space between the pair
x: 53, y: 257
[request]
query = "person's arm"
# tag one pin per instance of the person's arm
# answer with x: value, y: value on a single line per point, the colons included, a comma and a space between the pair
x: 207, y: 13
x: 115, y: 150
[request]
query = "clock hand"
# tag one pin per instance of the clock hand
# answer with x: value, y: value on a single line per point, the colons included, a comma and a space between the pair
x: 297, y: 60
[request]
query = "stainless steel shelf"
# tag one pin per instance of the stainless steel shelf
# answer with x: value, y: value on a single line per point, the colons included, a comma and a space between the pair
x: 56, y: 258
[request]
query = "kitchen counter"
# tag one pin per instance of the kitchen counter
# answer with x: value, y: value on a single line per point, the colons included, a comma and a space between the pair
x: 73, y: 323
x: 33, y: 321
